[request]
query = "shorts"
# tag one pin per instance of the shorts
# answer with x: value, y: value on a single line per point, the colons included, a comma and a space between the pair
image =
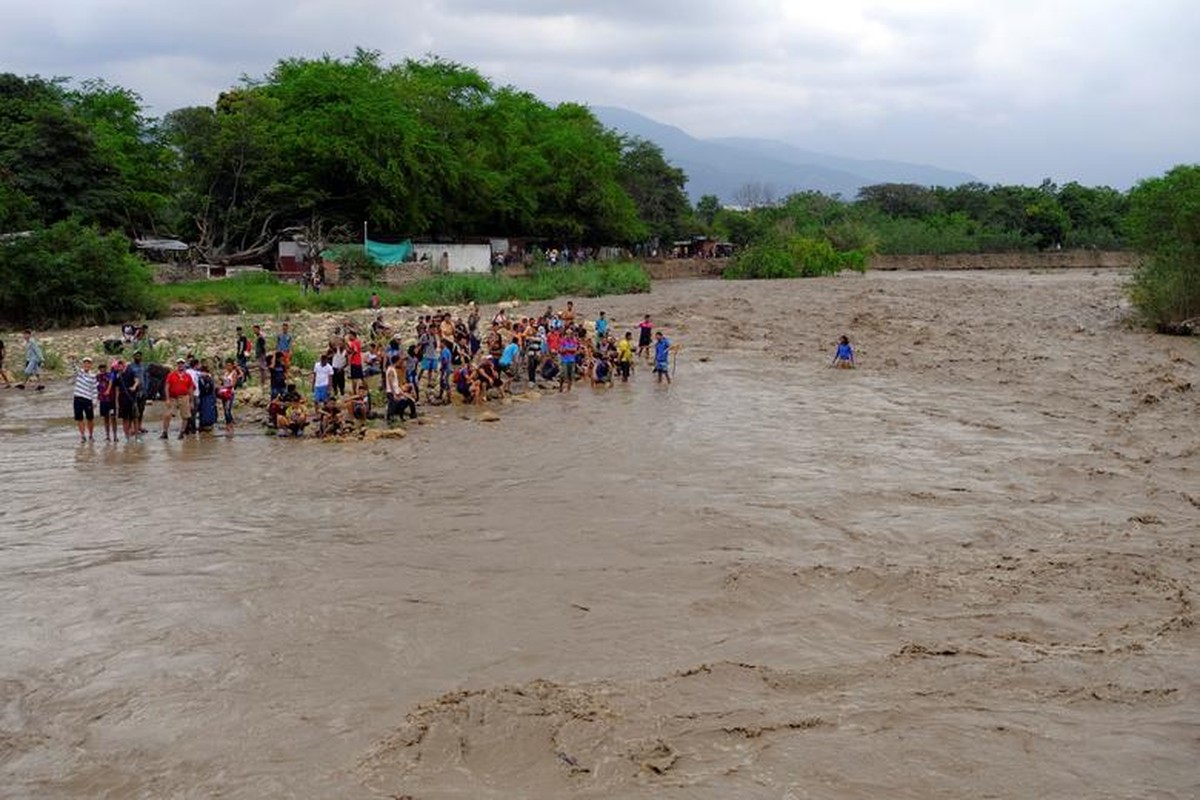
x: 429, y: 364
x: 126, y: 407
x: 660, y: 367
x: 181, y: 405
x: 107, y: 408
x: 320, y: 393
x: 83, y: 409
x: 569, y: 370
x: 356, y: 372
x: 644, y: 339
x: 623, y: 368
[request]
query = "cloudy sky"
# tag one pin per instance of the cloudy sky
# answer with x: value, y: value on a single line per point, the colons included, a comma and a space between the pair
x: 1099, y: 91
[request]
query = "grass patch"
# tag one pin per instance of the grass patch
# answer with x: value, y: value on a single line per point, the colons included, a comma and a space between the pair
x: 260, y: 293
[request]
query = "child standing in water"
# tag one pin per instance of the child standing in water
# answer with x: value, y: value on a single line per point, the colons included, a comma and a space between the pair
x: 844, y: 357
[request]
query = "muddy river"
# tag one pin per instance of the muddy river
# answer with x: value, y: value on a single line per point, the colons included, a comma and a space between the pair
x: 966, y: 569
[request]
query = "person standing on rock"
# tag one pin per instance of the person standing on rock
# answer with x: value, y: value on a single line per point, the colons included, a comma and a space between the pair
x: 260, y: 354
x: 601, y: 328
x: 241, y: 350
x: 534, y: 342
x: 568, y: 350
x: 322, y: 380
x: 339, y: 361
x: 283, y: 345
x: 355, y: 359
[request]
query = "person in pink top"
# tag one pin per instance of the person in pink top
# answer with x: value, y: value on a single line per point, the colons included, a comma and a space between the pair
x: 645, y: 331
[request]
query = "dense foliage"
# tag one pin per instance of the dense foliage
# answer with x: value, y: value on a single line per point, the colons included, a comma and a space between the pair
x: 1164, y: 225
x: 905, y: 218
x: 70, y: 272
x: 793, y: 256
x: 422, y: 148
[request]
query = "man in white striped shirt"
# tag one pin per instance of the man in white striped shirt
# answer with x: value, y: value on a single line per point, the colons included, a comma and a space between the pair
x: 85, y: 399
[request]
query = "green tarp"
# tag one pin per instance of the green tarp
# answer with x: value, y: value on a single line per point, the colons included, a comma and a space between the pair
x: 381, y: 253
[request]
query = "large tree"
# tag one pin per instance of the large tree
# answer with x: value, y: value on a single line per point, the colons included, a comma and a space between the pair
x: 50, y: 164
x: 657, y: 189
x: 420, y: 148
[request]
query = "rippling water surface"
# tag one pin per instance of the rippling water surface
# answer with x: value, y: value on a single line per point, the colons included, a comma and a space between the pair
x: 245, y: 617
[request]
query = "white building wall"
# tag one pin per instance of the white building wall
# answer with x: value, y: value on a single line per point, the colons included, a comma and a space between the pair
x: 459, y: 257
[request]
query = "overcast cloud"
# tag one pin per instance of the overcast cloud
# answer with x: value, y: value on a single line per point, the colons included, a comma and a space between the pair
x: 1099, y: 91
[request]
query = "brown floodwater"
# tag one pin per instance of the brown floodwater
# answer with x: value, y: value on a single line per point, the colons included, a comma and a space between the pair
x: 965, y: 569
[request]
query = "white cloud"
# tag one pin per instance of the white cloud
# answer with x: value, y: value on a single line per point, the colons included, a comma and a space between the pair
x: 1099, y: 91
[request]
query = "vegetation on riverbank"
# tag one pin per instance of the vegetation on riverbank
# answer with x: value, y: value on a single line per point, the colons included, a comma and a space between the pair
x: 263, y: 293
x: 1164, y: 225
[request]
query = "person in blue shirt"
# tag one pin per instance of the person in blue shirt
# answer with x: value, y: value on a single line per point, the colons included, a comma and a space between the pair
x: 283, y: 345
x: 662, y: 357
x: 445, y: 367
x: 601, y: 329
x: 844, y: 357
x: 508, y: 360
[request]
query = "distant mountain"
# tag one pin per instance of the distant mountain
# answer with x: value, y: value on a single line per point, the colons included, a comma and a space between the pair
x: 722, y: 167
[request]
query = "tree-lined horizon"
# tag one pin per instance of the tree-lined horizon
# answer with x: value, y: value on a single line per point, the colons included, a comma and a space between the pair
x: 433, y: 149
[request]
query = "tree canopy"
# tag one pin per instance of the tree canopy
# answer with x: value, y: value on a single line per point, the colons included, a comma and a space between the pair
x: 421, y: 148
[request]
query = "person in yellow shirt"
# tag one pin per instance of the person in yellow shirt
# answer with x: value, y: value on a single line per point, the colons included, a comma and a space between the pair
x: 625, y: 356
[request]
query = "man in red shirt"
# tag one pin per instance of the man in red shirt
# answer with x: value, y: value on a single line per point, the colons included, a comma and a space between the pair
x: 354, y: 349
x: 178, y: 393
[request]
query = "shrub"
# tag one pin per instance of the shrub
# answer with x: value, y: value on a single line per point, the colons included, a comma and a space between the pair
x: 303, y: 358
x: 790, y: 256
x: 356, y: 266
x: 1164, y: 225
x: 71, y: 273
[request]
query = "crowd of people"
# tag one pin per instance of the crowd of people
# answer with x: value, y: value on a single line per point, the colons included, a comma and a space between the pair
x: 448, y: 359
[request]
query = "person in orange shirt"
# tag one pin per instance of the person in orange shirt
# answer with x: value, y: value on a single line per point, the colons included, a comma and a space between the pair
x: 177, y: 390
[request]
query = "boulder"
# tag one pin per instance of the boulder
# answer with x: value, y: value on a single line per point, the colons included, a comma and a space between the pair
x: 489, y: 416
